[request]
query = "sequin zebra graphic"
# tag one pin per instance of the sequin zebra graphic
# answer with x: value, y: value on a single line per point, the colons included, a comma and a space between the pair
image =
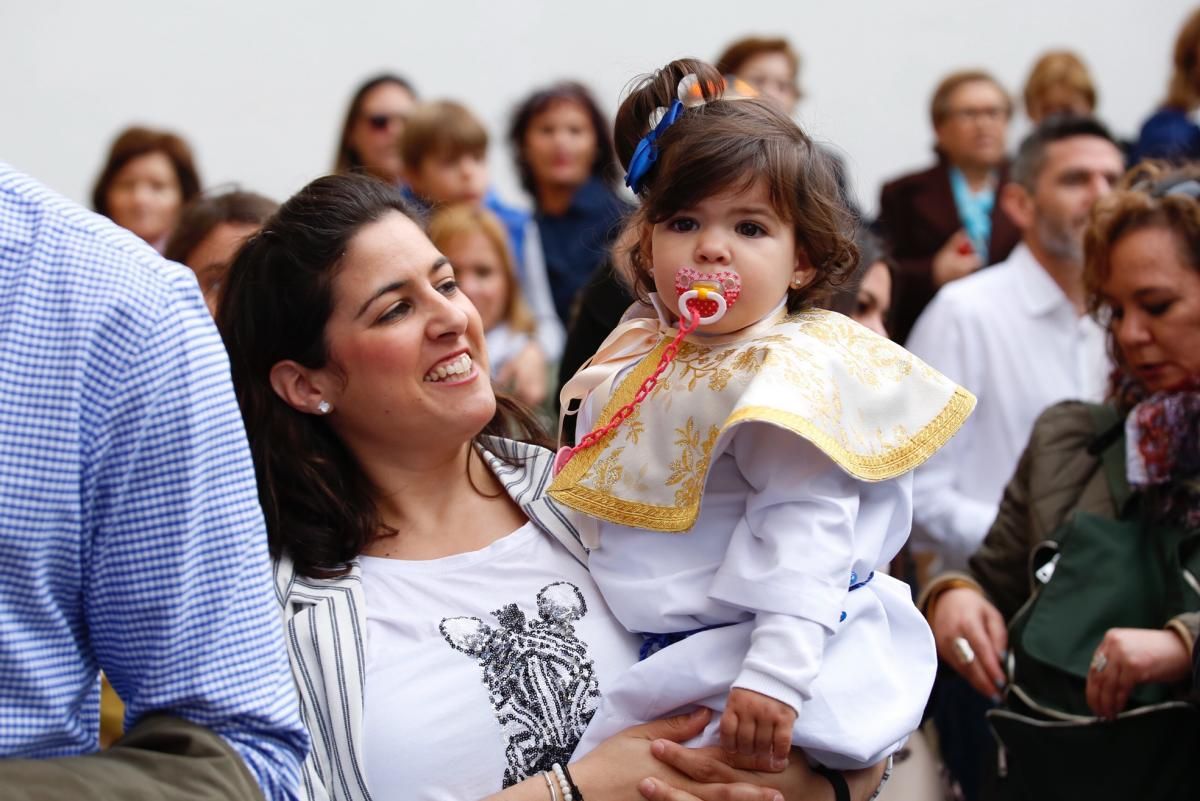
x: 540, y: 681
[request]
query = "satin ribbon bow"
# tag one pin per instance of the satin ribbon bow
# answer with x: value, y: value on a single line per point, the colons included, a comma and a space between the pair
x: 646, y: 153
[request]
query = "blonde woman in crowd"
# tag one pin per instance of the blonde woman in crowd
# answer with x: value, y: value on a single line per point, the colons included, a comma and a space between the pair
x: 474, y: 241
x: 1059, y: 84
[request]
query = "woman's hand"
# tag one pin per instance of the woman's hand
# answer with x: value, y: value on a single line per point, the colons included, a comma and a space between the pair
x: 1126, y: 658
x: 964, y: 613
x: 526, y: 374
x: 614, y: 768
x: 720, y: 778
x: 622, y: 768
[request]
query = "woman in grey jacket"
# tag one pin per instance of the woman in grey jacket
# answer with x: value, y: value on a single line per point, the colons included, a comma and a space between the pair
x: 1134, y: 462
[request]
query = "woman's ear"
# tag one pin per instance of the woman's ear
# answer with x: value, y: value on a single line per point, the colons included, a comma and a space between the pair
x: 299, y: 388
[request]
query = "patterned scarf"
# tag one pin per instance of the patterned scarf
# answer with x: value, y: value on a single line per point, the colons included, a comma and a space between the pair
x: 1162, y: 432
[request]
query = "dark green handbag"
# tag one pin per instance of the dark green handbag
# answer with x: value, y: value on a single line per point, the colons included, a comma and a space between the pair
x: 1095, y: 574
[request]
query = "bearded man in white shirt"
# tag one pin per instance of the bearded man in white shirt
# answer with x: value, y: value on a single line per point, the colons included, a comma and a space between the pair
x: 1017, y: 335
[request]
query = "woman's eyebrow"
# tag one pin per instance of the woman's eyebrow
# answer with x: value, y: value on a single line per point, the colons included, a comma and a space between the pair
x: 396, y: 286
x: 1150, y: 291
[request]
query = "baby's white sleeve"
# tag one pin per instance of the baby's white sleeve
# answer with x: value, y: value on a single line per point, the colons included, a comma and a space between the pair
x: 789, y: 559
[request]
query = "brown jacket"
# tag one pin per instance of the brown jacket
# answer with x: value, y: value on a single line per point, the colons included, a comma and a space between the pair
x: 1056, y: 476
x: 162, y: 758
x: 917, y: 214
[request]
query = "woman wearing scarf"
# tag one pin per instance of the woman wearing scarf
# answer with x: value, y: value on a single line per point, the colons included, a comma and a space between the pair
x: 1079, y: 612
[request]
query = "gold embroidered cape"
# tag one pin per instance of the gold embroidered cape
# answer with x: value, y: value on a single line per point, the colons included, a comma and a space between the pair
x: 871, y: 406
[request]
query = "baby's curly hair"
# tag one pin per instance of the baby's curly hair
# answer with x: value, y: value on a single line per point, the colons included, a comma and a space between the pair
x: 727, y: 145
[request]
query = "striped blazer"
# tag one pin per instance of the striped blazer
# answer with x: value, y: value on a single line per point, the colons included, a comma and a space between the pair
x: 325, y: 621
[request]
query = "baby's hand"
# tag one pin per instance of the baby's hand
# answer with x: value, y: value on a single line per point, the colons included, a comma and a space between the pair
x: 757, y: 725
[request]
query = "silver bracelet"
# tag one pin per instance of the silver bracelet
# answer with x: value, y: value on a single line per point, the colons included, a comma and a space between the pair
x: 563, y: 784
x: 550, y: 782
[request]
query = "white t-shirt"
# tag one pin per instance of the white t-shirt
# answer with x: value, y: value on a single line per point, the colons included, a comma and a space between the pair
x: 482, y: 668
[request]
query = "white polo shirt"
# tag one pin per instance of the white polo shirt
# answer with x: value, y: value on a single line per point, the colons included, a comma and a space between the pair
x: 1012, y: 337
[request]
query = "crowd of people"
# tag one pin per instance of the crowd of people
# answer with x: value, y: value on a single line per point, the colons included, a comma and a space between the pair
x: 939, y: 471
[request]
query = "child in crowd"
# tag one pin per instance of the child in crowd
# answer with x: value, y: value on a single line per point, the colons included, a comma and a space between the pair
x: 474, y: 241
x: 444, y: 149
x: 753, y: 466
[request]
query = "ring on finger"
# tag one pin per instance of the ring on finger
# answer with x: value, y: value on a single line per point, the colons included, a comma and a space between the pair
x: 1099, y: 662
x: 966, y: 654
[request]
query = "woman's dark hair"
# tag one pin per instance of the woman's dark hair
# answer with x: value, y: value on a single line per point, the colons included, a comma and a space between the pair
x: 726, y: 145
x: 1183, y: 91
x: 137, y: 141
x: 207, y: 211
x: 347, y: 159
x: 274, y: 305
x: 871, y: 251
x: 604, y: 166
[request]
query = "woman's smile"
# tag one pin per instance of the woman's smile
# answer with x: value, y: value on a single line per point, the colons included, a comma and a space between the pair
x: 454, y: 370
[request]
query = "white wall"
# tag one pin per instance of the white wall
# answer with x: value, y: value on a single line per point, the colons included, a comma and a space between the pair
x: 259, y: 87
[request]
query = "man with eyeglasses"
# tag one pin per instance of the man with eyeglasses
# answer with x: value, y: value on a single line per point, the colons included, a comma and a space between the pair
x: 944, y: 223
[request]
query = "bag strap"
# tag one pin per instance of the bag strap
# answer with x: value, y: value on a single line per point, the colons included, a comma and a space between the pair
x: 1109, y: 445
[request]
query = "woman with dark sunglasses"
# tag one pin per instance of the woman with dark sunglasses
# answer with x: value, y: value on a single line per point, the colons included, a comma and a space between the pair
x: 371, y: 131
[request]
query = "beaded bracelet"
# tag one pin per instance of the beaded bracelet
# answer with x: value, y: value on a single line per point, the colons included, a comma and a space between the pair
x: 574, y: 787
x: 563, y: 784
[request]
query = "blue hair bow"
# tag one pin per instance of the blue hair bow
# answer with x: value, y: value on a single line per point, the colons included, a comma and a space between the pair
x: 646, y: 152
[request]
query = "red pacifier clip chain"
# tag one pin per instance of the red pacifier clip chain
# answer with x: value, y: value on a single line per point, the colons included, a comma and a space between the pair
x: 621, y: 415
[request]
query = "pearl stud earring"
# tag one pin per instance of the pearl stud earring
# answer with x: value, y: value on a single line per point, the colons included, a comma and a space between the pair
x: 323, y: 407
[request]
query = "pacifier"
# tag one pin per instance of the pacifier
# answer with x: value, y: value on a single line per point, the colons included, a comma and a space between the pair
x: 709, y: 295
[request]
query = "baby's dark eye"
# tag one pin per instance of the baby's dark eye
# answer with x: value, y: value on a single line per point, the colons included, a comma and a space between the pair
x: 682, y: 225
x: 750, y: 229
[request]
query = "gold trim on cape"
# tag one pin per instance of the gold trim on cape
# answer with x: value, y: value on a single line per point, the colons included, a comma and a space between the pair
x: 589, y: 481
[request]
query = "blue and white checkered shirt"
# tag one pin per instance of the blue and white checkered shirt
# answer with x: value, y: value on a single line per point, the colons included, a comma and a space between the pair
x: 131, y: 539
